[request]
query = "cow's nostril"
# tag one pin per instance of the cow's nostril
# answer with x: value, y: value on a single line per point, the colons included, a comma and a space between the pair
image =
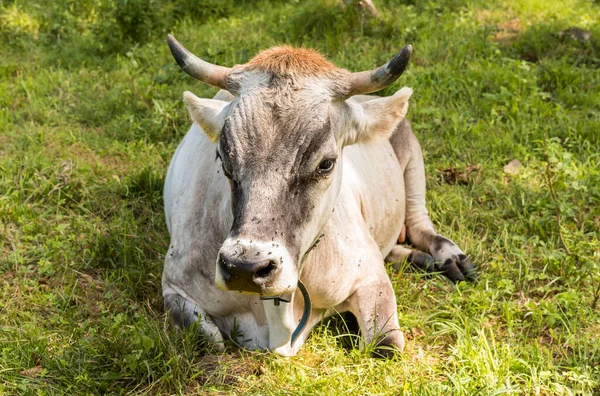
x: 266, y: 271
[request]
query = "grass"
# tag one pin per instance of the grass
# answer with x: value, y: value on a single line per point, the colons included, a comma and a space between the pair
x: 91, y: 112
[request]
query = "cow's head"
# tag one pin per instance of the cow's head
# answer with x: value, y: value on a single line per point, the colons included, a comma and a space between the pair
x: 280, y: 142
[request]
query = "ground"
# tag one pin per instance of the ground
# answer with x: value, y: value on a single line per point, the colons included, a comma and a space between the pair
x: 91, y: 112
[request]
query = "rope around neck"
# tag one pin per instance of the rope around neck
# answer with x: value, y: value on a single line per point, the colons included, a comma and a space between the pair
x: 305, y: 314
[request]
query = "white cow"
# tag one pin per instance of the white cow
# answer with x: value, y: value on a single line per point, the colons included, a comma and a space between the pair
x: 288, y: 154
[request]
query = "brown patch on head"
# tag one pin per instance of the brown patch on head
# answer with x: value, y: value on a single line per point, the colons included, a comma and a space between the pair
x: 286, y: 60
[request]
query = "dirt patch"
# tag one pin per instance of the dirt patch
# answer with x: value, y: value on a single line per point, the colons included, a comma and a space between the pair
x: 227, y: 369
x: 505, y: 27
x: 5, y: 142
x: 11, y: 235
x: 84, y: 153
x: 507, y: 32
x: 514, y: 25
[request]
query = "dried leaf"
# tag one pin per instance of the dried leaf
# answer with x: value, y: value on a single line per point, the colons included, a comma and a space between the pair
x: 33, y: 372
x: 416, y: 332
x: 455, y: 176
x: 513, y: 167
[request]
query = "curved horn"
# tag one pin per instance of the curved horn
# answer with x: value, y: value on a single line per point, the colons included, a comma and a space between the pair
x: 201, y: 70
x: 374, y: 80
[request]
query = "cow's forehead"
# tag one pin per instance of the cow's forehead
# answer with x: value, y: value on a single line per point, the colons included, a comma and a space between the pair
x: 281, y: 101
x: 281, y: 116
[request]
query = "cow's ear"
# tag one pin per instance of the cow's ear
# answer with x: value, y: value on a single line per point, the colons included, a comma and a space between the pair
x: 208, y: 113
x: 377, y: 117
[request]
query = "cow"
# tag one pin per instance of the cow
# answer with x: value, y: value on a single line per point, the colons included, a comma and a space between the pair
x: 286, y: 198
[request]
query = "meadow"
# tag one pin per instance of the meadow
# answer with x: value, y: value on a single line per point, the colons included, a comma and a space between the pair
x: 91, y: 113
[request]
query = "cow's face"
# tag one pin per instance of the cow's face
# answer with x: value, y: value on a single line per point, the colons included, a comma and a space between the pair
x: 280, y: 143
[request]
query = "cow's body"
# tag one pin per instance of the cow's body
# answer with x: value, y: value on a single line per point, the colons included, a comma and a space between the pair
x: 382, y: 188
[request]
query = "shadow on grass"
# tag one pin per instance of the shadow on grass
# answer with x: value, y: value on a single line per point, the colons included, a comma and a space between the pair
x: 544, y: 41
x: 345, y: 330
x: 131, y: 245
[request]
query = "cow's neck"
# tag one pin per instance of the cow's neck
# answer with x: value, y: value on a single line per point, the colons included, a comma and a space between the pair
x: 282, y: 323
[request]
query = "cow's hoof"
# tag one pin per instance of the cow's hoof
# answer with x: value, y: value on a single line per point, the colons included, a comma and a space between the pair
x: 458, y: 270
x: 389, y: 345
x: 467, y: 268
x: 422, y: 261
x: 451, y: 260
x: 450, y: 270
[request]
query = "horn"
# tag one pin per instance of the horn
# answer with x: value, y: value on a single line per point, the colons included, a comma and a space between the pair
x: 373, y: 80
x: 201, y: 70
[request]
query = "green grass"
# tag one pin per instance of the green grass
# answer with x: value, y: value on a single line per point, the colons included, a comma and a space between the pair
x: 91, y: 112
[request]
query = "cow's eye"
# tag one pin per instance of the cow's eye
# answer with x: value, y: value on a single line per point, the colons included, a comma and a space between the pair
x: 326, y: 166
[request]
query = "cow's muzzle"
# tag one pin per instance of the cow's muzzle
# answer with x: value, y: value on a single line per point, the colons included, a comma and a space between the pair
x: 254, y: 267
x: 248, y: 275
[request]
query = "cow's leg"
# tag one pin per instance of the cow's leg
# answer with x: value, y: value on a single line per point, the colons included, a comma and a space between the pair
x: 374, y: 305
x: 183, y: 313
x: 419, y: 259
x: 449, y: 258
